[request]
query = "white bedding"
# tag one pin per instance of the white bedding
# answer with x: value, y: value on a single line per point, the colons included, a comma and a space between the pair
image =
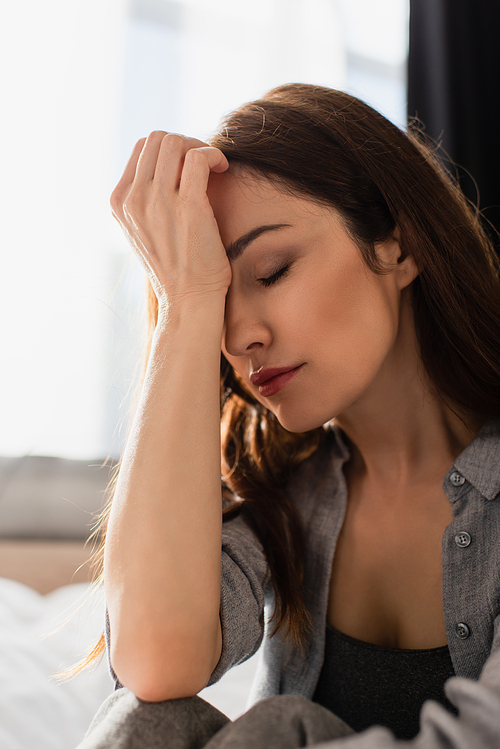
x: 37, y: 712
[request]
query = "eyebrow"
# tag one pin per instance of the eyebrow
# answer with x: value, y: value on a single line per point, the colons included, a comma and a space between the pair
x: 239, y: 245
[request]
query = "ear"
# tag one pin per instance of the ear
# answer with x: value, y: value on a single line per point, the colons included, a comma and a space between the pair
x: 398, y: 262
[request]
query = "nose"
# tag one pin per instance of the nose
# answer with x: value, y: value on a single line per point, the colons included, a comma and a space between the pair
x: 245, y: 325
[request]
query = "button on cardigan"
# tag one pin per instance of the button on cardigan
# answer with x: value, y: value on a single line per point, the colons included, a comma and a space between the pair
x: 471, y: 596
x: 471, y: 593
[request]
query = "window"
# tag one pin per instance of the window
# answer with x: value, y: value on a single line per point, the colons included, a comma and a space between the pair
x: 87, y: 79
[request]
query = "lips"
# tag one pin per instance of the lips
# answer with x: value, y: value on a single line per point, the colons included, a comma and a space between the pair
x: 263, y: 375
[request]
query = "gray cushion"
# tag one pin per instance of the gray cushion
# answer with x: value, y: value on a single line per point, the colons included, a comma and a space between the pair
x: 51, y: 498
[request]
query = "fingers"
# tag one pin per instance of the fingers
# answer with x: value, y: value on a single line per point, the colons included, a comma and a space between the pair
x: 172, y: 162
x: 198, y: 163
x: 171, y: 159
x: 123, y: 187
x: 162, y: 205
x: 146, y: 166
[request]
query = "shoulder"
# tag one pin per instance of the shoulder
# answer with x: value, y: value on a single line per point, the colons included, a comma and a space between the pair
x: 479, y: 463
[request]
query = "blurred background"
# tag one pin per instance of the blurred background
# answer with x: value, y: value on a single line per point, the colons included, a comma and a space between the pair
x: 83, y: 80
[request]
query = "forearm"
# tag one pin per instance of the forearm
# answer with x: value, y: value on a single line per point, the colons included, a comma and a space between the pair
x: 163, y: 545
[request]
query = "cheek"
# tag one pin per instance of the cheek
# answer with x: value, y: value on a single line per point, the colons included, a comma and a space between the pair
x: 343, y: 323
x: 352, y: 321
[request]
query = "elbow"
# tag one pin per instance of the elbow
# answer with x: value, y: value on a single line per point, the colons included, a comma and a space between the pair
x: 151, y: 683
x: 150, y: 687
x: 159, y: 674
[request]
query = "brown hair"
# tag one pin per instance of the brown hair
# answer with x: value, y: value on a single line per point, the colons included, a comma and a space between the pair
x: 334, y: 149
x: 329, y: 146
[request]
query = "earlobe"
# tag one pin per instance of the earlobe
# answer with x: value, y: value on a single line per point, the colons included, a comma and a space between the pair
x: 406, y: 271
x: 402, y: 263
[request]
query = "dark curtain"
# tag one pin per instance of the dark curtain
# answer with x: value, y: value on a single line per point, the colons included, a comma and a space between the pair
x: 454, y: 89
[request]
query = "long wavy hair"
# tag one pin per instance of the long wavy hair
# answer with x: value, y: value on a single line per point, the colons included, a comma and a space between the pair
x: 334, y: 149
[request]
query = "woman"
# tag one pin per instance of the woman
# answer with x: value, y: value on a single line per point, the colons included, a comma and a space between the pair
x: 356, y: 301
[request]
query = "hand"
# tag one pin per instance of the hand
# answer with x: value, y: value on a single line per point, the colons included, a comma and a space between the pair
x: 162, y: 205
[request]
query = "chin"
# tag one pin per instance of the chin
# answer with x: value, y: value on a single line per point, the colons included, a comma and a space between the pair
x: 300, y: 423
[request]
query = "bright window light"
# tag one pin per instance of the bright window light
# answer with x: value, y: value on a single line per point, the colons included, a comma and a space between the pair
x: 86, y: 79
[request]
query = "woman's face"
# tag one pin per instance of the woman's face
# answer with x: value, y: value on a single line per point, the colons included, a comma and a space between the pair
x: 301, y: 299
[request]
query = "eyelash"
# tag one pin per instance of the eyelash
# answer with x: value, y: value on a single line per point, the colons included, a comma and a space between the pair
x: 270, y: 280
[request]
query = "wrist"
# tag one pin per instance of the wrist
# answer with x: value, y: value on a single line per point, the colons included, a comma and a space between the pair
x: 205, y: 309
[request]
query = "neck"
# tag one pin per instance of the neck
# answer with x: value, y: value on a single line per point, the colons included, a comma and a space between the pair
x: 400, y: 430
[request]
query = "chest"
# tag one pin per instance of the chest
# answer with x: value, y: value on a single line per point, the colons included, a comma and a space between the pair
x: 386, y: 578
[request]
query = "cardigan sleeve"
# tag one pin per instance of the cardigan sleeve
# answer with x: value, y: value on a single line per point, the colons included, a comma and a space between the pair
x: 243, y: 577
x: 244, y: 573
x: 477, y: 725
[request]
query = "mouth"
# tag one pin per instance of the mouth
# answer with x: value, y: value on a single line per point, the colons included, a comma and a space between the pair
x: 272, y: 380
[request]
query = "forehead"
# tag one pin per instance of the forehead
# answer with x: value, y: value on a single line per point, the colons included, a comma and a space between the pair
x: 242, y: 201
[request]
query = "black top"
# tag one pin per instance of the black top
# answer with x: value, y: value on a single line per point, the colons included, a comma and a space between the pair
x: 368, y: 685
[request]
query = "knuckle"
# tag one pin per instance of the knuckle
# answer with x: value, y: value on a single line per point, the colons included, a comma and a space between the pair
x: 129, y: 203
x: 130, y: 206
x: 156, y: 135
x: 117, y: 198
x: 114, y: 201
x: 196, y: 156
x: 174, y: 141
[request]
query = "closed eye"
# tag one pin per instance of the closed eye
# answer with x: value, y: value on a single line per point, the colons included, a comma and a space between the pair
x: 280, y: 273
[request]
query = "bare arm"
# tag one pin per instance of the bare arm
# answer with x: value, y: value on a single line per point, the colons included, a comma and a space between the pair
x: 163, y: 547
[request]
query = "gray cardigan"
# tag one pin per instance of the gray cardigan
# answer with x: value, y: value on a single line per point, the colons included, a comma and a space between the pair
x: 471, y: 596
